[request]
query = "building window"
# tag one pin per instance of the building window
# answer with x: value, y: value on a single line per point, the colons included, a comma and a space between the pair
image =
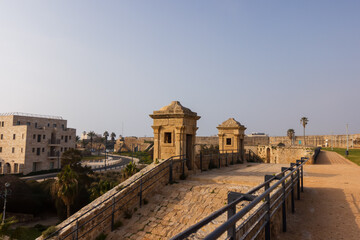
x: 34, y: 136
x: 38, y: 151
x: 61, y: 149
x: 65, y: 149
x: 22, y: 136
x: 54, y: 125
x: 14, y: 136
x: 16, y: 167
x: 13, y: 150
x: 228, y: 141
x: 2, y: 123
x: 33, y: 150
x: 69, y: 137
x: 36, y: 125
x: 44, y: 136
x: 0, y: 149
x: 62, y: 137
x: 18, y: 123
x: 51, y: 165
x: 43, y: 149
x: 167, y: 136
x: 66, y: 138
x: 28, y: 123
x: 63, y: 126
x: 48, y: 124
x: 2, y: 136
x: 39, y: 138
x: 22, y: 150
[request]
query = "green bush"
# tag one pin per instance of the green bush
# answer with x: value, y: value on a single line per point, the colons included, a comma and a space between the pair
x: 50, y: 230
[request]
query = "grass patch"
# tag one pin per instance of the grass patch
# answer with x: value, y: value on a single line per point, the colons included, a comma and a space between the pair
x: 144, y: 157
x: 354, y: 154
x: 24, y: 233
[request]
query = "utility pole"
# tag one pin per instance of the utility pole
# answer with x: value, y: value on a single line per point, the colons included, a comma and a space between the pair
x: 332, y: 140
x: 347, y: 139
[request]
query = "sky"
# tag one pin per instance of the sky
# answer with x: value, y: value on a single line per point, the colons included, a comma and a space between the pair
x: 107, y: 65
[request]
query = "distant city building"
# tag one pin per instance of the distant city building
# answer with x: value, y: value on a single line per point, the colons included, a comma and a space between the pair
x: 30, y: 143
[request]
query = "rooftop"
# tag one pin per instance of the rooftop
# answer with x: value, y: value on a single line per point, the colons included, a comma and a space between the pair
x: 30, y: 115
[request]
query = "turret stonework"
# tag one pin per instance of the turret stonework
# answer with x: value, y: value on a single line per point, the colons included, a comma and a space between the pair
x: 231, y: 136
x: 174, y: 132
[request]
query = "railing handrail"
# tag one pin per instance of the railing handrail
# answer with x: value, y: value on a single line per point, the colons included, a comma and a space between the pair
x: 114, y: 194
x: 225, y: 226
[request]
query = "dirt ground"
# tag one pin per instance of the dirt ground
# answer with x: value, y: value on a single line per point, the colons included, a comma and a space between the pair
x: 330, y: 205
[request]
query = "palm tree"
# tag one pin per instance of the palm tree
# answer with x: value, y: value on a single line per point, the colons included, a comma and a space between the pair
x: 113, y: 136
x: 304, y: 121
x: 291, y: 134
x: 106, y: 135
x: 91, y: 135
x: 66, y: 187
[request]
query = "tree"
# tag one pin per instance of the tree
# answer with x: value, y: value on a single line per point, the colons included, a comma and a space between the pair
x: 304, y: 121
x: 66, y: 187
x: 71, y: 157
x: 291, y: 135
x: 77, y: 139
x: 106, y: 135
x: 91, y: 135
x: 113, y: 136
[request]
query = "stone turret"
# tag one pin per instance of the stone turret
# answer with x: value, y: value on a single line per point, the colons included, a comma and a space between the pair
x: 231, y: 136
x: 174, y: 132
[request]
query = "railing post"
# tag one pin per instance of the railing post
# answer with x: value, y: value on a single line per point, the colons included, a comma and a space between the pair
x: 298, y: 179
x: 140, y: 192
x: 201, y: 162
x: 283, y: 184
x: 113, y: 215
x: 219, y: 160
x: 231, y: 212
x: 226, y: 158
x: 77, y: 230
x: 267, y: 216
x: 292, y: 194
x: 170, y: 172
x: 302, y: 174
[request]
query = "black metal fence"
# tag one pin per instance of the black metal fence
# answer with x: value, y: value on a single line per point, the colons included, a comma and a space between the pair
x: 274, y: 193
x: 104, y: 213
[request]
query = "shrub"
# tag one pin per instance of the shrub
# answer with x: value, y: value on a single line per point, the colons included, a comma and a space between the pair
x: 102, y: 236
x: 49, y: 231
x: 127, y: 213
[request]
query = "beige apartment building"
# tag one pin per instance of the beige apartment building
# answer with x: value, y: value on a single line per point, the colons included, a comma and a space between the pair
x: 30, y: 143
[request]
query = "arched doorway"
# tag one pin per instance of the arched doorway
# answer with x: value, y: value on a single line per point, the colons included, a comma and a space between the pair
x: 268, y: 155
x: 7, y: 168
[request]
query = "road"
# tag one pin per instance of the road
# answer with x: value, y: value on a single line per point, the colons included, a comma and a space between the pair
x: 330, y: 205
x: 98, y: 167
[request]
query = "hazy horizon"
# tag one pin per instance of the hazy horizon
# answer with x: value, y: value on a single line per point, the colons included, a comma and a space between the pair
x: 104, y: 65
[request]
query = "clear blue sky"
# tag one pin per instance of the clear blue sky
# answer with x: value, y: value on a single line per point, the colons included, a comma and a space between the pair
x: 103, y: 63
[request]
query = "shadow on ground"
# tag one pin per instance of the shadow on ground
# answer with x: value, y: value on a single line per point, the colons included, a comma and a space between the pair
x: 313, y: 219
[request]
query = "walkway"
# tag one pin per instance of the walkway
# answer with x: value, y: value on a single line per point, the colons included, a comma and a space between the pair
x: 176, y: 207
x: 330, y: 205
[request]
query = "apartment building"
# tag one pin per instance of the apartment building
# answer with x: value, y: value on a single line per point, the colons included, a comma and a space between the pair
x: 30, y: 143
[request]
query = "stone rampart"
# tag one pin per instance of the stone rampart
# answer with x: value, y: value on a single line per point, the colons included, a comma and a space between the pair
x: 101, y: 214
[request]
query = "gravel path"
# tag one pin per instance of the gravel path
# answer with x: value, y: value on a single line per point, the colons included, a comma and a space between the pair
x: 330, y: 205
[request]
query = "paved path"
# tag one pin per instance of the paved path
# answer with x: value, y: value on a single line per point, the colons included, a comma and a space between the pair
x: 176, y: 207
x: 330, y: 205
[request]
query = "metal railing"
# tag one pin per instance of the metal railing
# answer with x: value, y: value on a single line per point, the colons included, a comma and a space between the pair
x: 274, y: 196
x: 119, y: 200
x: 54, y: 141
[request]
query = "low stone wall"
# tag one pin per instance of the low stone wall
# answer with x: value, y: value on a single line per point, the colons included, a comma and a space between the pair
x: 274, y: 154
x: 209, y: 161
x: 99, y: 215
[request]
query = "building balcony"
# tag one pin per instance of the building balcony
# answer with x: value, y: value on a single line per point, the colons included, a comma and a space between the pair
x: 54, y: 142
x: 52, y: 155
